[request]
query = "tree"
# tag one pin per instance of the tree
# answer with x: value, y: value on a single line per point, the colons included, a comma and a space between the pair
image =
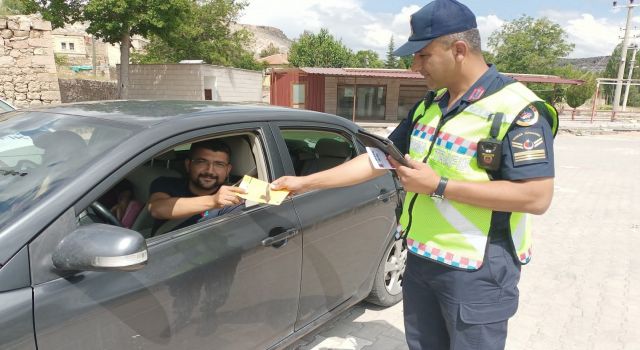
x: 116, y: 21
x: 527, y: 45
x: 269, y: 50
x: 367, y: 59
x: 392, y: 61
x: 12, y: 7
x: 407, y: 61
x: 319, y: 50
x: 577, y: 95
x: 205, y: 35
x: 488, y: 56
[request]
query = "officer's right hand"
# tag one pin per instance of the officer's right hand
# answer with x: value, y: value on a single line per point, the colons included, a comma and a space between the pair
x: 227, y: 195
x: 293, y: 184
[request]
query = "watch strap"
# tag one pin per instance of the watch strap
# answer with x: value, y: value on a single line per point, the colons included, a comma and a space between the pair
x: 439, y: 192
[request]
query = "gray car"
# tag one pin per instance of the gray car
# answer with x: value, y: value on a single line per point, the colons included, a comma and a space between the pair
x: 74, y: 275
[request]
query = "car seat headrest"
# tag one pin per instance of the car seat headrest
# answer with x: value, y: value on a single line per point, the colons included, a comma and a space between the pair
x: 333, y: 148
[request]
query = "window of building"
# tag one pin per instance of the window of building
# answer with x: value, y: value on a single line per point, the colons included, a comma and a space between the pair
x: 72, y: 47
x: 370, y: 102
x: 298, y: 96
x: 63, y: 46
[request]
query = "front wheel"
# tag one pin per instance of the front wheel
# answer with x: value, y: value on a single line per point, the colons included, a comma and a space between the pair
x: 387, y: 286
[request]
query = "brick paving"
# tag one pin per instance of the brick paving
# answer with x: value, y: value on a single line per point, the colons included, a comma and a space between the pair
x: 582, y: 288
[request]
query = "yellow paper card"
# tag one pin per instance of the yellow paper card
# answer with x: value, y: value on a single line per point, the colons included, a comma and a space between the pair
x: 259, y: 191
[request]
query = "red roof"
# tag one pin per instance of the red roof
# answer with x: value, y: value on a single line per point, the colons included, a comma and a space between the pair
x: 407, y: 74
x: 364, y: 72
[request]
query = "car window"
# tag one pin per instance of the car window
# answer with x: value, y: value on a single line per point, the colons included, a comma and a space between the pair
x: 126, y: 203
x: 41, y: 152
x: 316, y: 150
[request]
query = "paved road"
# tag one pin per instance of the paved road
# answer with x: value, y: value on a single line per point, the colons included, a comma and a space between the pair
x: 582, y: 288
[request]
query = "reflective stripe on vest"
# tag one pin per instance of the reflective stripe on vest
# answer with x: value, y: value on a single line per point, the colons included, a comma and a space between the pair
x: 450, y: 232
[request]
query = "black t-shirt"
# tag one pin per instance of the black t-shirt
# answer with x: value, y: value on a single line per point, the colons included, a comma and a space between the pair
x: 518, y: 162
x: 174, y: 187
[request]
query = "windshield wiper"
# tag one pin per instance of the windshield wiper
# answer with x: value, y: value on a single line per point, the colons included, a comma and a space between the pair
x: 11, y: 173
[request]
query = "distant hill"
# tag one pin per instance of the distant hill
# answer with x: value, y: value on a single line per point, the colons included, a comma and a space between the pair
x: 263, y: 36
x: 592, y: 64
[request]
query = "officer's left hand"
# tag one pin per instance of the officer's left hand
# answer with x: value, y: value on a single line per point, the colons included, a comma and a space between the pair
x: 420, y: 178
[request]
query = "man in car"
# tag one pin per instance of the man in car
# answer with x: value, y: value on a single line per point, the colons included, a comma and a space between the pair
x: 203, y: 194
x: 480, y: 159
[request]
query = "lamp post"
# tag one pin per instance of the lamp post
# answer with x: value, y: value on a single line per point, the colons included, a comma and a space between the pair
x: 623, y: 57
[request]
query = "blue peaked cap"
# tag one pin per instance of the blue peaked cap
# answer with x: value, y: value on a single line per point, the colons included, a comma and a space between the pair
x: 435, y: 19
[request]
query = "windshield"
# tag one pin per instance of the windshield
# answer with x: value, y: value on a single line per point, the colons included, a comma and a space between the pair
x: 41, y: 152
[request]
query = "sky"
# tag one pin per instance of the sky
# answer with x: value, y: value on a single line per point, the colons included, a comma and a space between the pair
x: 594, y: 26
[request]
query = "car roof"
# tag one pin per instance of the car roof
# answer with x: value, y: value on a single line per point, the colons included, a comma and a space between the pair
x: 152, y: 113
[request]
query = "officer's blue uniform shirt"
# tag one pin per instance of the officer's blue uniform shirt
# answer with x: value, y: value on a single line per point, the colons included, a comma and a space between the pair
x: 531, y: 129
x: 532, y: 119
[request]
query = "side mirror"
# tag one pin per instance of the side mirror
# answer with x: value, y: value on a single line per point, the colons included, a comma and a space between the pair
x: 100, y: 247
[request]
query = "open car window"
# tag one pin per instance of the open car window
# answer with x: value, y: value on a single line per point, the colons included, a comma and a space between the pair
x: 127, y: 201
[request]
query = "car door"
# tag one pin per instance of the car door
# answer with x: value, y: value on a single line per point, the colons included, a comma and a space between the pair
x: 345, y: 230
x: 214, y: 285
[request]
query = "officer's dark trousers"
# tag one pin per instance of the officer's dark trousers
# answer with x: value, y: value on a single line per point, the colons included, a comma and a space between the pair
x: 445, y: 308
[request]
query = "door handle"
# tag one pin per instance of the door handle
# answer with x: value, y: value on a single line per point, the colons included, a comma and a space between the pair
x: 385, y: 195
x: 269, y: 241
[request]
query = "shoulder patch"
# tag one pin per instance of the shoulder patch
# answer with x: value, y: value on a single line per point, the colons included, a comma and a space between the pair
x: 529, y: 116
x: 527, y: 146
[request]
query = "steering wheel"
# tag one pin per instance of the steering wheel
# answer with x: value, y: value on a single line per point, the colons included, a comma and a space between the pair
x: 105, y: 214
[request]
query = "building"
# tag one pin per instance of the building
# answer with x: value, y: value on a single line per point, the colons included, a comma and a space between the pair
x: 362, y: 94
x: 194, y: 82
x: 76, y: 48
x: 278, y: 60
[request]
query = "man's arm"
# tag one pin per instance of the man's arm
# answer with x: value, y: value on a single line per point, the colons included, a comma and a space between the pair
x: 527, y: 196
x: 355, y: 171
x: 164, y: 207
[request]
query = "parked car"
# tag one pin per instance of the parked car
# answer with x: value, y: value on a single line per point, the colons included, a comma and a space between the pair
x: 6, y: 106
x: 72, y: 277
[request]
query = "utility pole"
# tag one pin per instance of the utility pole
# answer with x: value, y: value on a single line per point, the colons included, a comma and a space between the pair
x: 634, y: 47
x: 623, y: 56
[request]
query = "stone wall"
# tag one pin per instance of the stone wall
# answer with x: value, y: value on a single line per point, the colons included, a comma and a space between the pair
x: 27, y: 67
x: 78, y: 90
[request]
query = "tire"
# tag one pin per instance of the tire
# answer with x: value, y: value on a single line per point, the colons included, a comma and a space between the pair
x: 387, y: 286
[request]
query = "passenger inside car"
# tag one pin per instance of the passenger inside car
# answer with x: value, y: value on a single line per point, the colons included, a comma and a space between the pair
x: 124, y: 206
x: 202, y: 194
x: 126, y: 203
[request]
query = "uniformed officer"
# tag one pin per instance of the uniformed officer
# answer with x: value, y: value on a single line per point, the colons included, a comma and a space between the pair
x: 480, y: 150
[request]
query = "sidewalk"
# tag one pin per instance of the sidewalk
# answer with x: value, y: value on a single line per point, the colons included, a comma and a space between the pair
x: 582, y: 288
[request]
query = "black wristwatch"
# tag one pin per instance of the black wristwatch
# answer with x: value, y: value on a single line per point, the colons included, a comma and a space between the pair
x: 439, y: 192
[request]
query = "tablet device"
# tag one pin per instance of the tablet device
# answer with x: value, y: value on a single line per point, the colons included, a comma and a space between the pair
x: 382, y: 143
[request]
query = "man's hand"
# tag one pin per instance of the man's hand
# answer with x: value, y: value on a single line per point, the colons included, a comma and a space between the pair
x: 293, y: 184
x: 420, y: 178
x: 227, y: 195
